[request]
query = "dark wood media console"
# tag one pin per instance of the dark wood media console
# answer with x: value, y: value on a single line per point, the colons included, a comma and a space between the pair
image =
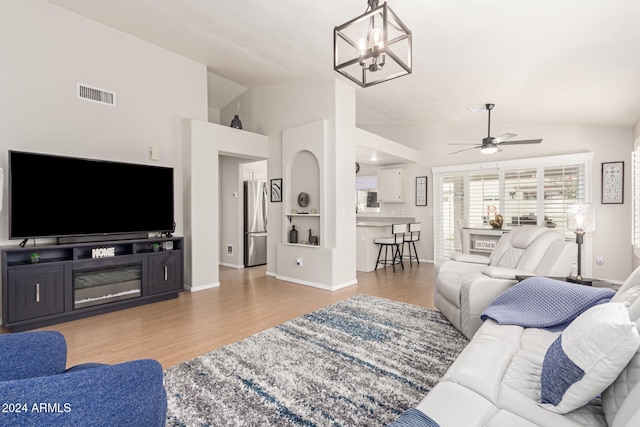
x: 72, y: 281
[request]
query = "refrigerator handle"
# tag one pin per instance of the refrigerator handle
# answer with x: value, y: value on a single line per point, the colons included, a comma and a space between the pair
x: 265, y: 194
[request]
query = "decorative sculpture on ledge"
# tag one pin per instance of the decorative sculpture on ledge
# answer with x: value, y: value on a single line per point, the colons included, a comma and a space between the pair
x: 497, y: 222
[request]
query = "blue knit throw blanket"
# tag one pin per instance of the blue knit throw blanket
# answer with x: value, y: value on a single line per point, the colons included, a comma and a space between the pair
x: 540, y: 302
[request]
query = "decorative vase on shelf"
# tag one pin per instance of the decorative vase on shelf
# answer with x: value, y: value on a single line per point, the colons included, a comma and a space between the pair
x: 236, y: 123
x: 313, y: 240
x: 293, y: 235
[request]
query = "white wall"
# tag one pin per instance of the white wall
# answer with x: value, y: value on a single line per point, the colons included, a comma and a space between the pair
x: 611, y: 239
x: 231, y: 226
x: 272, y: 109
x: 47, y: 50
x: 269, y: 110
x: 204, y: 143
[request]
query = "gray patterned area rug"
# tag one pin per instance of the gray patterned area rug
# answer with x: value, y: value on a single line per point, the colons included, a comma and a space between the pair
x: 360, y: 362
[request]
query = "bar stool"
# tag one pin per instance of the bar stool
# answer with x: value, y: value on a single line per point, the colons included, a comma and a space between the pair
x: 410, y: 239
x: 398, y: 231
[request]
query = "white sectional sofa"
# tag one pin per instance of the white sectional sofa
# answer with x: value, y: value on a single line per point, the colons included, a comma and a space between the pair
x: 465, y: 285
x: 496, y: 380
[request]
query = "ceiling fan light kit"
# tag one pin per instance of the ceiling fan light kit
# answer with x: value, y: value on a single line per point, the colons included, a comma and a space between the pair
x: 491, y: 145
x: 489, y: 148
x: 372, y: 48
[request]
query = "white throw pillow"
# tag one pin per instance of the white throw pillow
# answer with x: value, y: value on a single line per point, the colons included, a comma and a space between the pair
x: 587, y: 357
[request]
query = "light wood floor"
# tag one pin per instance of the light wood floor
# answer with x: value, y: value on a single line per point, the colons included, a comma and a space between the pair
x: 247, y: 301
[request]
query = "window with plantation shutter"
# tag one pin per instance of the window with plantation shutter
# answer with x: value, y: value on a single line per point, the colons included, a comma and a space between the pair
x: 449, y: 209
x: 525, y: 192
x: 484, y: 198
x: 563, y: 186
x: 520, y: 197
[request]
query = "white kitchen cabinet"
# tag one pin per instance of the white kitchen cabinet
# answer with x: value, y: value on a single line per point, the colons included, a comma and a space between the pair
x: 254, y: 175
x: 391, y: 185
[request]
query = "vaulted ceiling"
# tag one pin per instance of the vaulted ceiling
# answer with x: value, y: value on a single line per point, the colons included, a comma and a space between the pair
x: 539, y: 61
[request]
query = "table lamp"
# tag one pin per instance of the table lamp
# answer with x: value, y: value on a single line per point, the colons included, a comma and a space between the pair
x: 581, y: 218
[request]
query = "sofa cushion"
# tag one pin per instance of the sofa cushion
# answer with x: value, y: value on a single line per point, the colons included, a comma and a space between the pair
x: 18, y: 360
x: 449, y: 286
x: 510, y: 258
x: 630, y: 295
x: 587, y: 357
x: 619, y: 400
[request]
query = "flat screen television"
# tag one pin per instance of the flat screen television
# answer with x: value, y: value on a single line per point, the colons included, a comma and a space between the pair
x: 58, y: 196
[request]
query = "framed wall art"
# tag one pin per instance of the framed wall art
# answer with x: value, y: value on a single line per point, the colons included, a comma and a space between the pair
x: 276, y: 190
x: 421, y: 191
x: 613, y: 182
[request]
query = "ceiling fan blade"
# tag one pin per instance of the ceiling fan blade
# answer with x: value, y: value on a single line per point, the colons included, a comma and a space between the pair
x: 462, y: 143
x: 477, y: 108
x: 504, y: 137
x: 466, y: 149
x: 524, y: 141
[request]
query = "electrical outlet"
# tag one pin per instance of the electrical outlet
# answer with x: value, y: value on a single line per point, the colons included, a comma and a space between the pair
x: 599, y: 260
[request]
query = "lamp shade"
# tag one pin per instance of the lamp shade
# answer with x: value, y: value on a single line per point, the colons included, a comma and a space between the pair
x: 581, y: 217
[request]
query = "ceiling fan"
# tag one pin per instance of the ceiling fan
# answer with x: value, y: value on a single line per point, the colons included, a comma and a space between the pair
x: 490, y: 144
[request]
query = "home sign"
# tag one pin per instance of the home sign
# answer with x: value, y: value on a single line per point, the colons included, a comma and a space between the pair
x: 485, y: 244
x: 103, y: 252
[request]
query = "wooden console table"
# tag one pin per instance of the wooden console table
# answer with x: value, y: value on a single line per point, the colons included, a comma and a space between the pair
x: 71, y: 281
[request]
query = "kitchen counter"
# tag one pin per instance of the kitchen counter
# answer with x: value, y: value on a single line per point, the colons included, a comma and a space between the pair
x: 368, y: 229
x: 373, y: 223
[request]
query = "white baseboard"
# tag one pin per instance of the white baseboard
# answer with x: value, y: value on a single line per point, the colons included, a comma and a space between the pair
x: 201, y: 287
x: 317, y: 285
x: 226, y: 264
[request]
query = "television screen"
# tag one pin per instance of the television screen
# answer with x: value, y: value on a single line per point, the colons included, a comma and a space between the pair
x: 55, y: 196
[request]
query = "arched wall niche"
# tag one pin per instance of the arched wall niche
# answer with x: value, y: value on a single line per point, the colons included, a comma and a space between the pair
x: 305, y: 177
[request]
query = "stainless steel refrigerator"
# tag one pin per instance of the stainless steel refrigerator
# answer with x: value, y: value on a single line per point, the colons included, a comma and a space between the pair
x: 255, y: 223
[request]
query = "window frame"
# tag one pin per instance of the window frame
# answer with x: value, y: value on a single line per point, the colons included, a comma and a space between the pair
x: 442, y: 249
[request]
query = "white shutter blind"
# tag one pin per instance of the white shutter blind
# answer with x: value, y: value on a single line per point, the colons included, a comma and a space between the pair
x: 520, y: 197
x: 563, y: 186
x: 449, y: 194
x: 484, y: 197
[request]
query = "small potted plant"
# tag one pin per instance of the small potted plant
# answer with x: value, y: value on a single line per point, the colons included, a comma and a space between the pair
x: 35, y: 257
x: 156, y: 247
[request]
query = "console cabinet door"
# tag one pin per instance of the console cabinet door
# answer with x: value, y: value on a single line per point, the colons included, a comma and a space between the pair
x: 35, y: 292
x: 165, y: 272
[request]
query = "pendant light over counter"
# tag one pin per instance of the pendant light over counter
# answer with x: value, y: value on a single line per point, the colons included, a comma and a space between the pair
x: 372, y: 48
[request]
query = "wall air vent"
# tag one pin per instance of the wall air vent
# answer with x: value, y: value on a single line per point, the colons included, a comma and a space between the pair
x: 96, y: 95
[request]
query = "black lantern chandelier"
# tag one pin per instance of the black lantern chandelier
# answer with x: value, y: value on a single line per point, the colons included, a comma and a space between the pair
x: 372, y: 48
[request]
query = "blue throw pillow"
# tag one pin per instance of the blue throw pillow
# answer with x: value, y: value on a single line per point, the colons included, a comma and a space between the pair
x: 414, y: 418
x: 558, y: 374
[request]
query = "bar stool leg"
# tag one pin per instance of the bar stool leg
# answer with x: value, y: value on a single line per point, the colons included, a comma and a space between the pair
x: 398, y: 254
x: 393, y: 260
x: 378, y: 260
x: 409, y: 245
